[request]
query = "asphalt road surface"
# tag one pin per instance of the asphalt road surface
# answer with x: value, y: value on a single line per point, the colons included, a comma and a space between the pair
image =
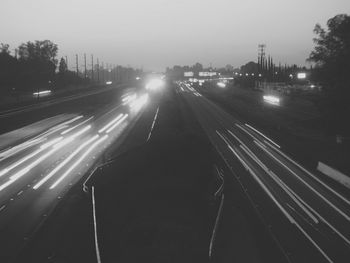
x: 39, y: 163
x: 48, y: 149
x: 309, y: 220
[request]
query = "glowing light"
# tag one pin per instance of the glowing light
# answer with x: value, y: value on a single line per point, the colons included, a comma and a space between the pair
x: 70, y: 157
x: 301, y: 75
x: 221, y: 84
x: 154, y: 84
x: 272, y: 100
x: 72, y: 137
x: 109, y: 82
x: 138, y: 103
x: 42, y: 92
x: 111, y: 123
x: 94, y: 145
x: 76, y: 126
x: 138, y: 78
x: 13, y: 150
x: 117, y: 123
x: 29, y: 156
x: 188, y: 74
x: 129, y: 98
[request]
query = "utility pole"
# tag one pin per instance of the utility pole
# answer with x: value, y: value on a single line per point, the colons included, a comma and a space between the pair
x: 67, y: 62
x: 84, y: 65
x: 261, y: 56
x: 103, y: 73
x: 92, y: 67
x: 98, y: 70
x: 76, y: 64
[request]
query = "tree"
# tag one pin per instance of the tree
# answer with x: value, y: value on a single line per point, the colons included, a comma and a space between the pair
x: 62, y: 68
x: 331, y: 56
x: 38, y: 61
x: 4, y: 48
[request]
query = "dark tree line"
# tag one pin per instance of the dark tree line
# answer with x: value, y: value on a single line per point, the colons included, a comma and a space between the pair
x: 33, y: 65
x: 331, y: 56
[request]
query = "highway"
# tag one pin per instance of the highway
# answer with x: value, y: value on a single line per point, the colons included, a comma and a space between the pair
x: 40, y: 162
x: 309, y: 220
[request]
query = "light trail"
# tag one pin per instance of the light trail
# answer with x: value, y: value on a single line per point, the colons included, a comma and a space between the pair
x: 309, y: 186
x: 117, y: 123
x: 70, y: 157
x: 18, y: 148
x: 25, y: 170
x: 282, y: 209
x: 267, y: 138
x: 94, y: 145
x: 72, y: 137
x: 311, y: 175
x: 24, y: 159
x: 111, y: 123
x: 76, y: 126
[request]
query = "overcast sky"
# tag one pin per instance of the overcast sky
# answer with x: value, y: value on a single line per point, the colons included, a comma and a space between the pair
x: 159, y: 33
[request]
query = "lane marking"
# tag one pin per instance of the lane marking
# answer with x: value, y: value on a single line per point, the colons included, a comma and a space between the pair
x: 153, y: 123
x: 2, y: 207
x: 98, y: 257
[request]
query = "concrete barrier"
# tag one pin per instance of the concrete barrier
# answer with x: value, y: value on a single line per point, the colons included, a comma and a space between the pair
x: 334, y: 174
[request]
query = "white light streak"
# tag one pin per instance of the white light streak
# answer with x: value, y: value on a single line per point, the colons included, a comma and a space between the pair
x: 29, y: 156
x: 117, y: 123
x: 111, y: 123
x: 94, y: 145
x: 70, y: 157
x: 76, y: 126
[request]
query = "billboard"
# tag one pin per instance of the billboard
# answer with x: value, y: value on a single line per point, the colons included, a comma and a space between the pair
x: 207, y: 74
x: 188, y: 74
x: 301, y: 75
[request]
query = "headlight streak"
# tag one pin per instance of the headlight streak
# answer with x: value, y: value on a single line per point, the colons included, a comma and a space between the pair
x: 70, y: 157
x: 138, y: 103
x: 268, y: 192
x: 154, y: 84
x: 117, y: 123
x: 57, y: 143
x: 111, y: 123
x: 24, y: 159
x: 94, y: 145
x: 25, y: 170
x: 267, y: 138
x: 72, y: 137
x: 272, y: 100
x: 18, y: 148
x: 76, y: 126
x: 129, y: 98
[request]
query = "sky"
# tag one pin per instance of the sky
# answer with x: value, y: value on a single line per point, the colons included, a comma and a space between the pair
x: 154, y: 34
